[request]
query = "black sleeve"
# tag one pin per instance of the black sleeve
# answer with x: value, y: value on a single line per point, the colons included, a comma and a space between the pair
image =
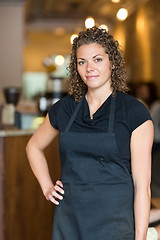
x: 53, y: 114
x: 139, y: 114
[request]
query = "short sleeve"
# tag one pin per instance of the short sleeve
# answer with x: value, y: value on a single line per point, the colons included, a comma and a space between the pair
x: 139, y: 114
x: 53, y: 114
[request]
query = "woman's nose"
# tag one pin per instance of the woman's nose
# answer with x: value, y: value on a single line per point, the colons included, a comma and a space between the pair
x: 90, y: 66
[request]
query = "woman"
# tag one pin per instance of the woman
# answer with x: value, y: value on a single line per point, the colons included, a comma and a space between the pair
x: 105, y: 139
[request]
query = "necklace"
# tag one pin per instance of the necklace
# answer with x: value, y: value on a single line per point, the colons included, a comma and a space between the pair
x: 91, y: 115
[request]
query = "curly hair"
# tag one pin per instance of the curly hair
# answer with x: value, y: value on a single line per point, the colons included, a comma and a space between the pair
x: 76, y: 86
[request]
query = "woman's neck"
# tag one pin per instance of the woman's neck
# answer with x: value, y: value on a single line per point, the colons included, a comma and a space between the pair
x: 97, y: 97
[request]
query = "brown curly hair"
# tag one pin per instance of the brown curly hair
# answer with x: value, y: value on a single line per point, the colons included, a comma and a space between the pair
x: 76, y: 86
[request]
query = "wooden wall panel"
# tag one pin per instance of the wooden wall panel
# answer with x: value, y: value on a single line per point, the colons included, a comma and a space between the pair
x: 1, y: 188
x: 28, y: 215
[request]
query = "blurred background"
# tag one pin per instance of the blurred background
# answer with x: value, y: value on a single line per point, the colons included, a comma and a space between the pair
x: 35, y: 43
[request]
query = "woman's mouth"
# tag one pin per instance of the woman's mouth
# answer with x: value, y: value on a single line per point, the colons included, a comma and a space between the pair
x: 91, y: 77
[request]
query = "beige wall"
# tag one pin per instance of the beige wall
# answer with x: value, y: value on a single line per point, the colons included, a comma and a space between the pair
x: 41, y: 44
x: 11, y: 44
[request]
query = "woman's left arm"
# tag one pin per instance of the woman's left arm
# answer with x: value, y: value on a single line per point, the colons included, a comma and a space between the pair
x: 141, y: 147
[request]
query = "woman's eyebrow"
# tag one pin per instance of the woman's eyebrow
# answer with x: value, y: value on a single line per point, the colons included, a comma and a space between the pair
x: 81, y: 58
x: 92, y: 57
x: 97, y: 55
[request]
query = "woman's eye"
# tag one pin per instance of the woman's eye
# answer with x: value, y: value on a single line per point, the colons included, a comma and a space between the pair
x: 80, y: 62
x: 98, y: 59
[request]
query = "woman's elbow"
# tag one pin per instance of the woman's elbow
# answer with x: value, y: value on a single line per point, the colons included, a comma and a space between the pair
x: 143, y: 187
x: 29, y: 147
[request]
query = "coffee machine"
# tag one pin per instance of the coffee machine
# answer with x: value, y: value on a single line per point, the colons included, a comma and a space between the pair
x: 9, y: 115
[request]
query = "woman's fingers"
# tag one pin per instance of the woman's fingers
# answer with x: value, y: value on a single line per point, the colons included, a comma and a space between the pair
x: 58, y: 182
x: 59, y: 189
x: 53, y: 200
x: 53, y: 194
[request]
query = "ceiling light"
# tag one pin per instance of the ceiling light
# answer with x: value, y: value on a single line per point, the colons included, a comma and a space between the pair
x: 122, y: 14
x: 73, y: 37
x: 115, y: 1
x: 89, y: 22
x: 103, y: 26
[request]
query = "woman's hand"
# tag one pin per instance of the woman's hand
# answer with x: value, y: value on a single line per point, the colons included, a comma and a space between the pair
x: 55, y: 192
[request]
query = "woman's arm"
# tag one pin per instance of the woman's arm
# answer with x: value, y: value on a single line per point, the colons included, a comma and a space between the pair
x: 141, y: 146
x: 35, y: 147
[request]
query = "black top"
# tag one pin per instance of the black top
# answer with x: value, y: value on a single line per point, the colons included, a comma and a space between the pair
x: 129, y: 114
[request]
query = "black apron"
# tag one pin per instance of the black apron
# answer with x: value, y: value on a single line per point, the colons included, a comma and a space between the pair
x: 98, y: 199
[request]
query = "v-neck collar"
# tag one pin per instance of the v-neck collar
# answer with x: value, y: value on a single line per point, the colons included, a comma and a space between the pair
x: 100, y: 111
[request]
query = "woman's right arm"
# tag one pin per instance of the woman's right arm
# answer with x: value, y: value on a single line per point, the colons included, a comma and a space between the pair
x: 35, y: 153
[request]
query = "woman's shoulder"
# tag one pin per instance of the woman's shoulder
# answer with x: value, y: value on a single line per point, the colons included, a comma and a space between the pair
x: 130, y: 101
x: 65, y: 102
x: 135, y: 111
x: 67, y: 99
x: 61, y: 110
x: 124, y: 96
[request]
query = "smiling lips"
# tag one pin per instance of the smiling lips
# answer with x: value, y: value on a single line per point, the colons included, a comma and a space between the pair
x: 92, y: 77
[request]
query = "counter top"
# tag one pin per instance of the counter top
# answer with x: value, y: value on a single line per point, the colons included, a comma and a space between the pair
x: 16, y: 132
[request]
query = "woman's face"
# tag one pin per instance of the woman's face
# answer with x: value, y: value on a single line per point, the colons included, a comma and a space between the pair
x: 93, y: 66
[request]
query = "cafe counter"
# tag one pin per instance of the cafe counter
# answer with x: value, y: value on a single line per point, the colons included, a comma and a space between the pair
x: 24, y: 211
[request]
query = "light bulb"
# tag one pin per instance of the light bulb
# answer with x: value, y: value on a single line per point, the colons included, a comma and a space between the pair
x: 115, y: 1
x: 73, y: 37
x: 103, y: 26
x: 122, y: 14
x: 89, y: 22
x: 59, y: 60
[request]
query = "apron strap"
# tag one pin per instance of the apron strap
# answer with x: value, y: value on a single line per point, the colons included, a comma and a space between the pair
x: 74, y: 114
x: 111, y: 114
